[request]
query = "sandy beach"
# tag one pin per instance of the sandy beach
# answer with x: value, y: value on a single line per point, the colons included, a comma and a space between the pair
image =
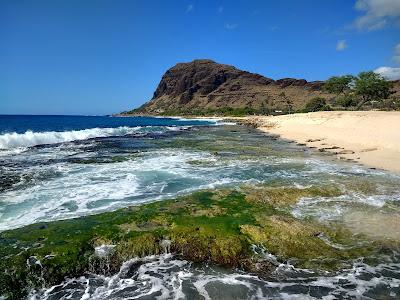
x: 368, y: 137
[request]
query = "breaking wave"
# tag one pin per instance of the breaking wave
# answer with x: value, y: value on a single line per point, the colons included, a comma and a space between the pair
x: 30, y: 138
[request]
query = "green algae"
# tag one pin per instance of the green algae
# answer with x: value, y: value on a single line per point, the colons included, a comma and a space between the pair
x: 228, y: 143
x: 287, y: 195
x: 216, y: 226
x: 300, y: 242
x: 101, y: 160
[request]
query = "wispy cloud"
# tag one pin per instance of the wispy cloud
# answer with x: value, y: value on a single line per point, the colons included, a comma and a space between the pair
x: 377, y: 14
x: 389, y: 73
x: 220, y: 9
x: 189, y: 8
x: 396, y: 56
x: 341, y: 45
x: 231, y: 26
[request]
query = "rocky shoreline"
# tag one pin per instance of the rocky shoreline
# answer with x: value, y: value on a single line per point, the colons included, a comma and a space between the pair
x: 241, y: 227
x: 215, y: 226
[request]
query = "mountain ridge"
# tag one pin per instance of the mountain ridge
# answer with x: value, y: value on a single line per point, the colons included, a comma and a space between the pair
x: 203, y: 85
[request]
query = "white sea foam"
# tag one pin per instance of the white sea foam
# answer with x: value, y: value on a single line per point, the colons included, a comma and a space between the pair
x: 334, y: 208
x: 63, y: 190
x: 103, y: 251
x: 213, y: 121
x: 30, y: 138
x: 83, y: 187
x: 14, y: 151
x: 66, y: 190
x: 165, y: 277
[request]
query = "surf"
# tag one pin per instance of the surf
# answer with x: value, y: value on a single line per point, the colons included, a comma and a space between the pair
x: 29, y: 138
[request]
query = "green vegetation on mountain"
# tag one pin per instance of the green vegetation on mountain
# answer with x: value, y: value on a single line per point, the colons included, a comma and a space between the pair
x: 206, y: 88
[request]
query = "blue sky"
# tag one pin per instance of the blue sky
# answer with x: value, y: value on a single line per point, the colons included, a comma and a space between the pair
x: 100, y: 57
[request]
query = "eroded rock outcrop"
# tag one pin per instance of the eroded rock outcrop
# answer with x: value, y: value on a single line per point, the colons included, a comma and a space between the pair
x: 205, y: 84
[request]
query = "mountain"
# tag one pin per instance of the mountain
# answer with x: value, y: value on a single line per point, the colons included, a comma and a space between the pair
x: 203, y: 86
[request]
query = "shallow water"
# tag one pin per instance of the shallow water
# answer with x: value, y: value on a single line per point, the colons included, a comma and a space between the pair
x: 66, y: 180
x: 78, y: 175
x: 165, y: 277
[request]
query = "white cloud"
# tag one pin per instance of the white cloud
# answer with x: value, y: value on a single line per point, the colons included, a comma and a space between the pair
x: 189, y: 8
x: 396, y: 56
x: 220, y: 9
x: 378, y: 13
x: 341, y: 45
x: 231, y: 26
x: 389, y: 73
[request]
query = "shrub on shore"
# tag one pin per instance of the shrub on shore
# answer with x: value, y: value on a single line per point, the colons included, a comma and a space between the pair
x: 357, y: 91
x: 317, y: 104
x: 347, y: 100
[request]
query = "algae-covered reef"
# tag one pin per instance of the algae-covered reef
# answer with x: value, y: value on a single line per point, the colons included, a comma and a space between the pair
x: 222, y: 227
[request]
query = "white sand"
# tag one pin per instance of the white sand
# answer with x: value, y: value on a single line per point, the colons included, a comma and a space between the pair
x: 373, y: 136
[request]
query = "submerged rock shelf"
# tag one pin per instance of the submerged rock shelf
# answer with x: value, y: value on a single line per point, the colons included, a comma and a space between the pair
x: 221, y: 227
x: 273, y: 217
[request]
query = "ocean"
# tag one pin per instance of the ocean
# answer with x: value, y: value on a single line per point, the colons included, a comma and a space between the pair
x: 55, y: 167
x: 64, y: 167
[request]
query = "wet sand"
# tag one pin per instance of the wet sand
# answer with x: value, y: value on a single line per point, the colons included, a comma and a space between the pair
x: 369, y: 137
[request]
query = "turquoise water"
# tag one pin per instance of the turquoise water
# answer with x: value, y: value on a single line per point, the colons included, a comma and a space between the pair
x: 50, y: 175
x: 56, y: 167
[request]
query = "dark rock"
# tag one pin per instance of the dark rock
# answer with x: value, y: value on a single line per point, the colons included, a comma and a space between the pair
x: 204, y: 84
x: 285, y: 82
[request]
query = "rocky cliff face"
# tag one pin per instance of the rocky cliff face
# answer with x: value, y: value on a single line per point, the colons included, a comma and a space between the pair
x: 205, y: 84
